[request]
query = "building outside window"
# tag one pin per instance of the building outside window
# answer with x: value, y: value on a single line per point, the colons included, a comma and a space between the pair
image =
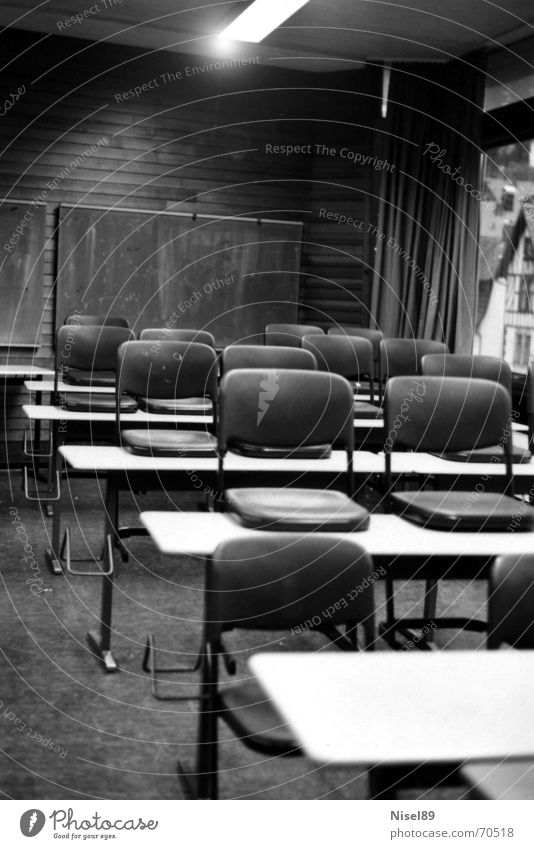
x: 505, y: 304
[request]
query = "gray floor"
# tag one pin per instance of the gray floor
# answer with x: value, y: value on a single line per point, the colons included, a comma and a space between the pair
x: 68, y: 731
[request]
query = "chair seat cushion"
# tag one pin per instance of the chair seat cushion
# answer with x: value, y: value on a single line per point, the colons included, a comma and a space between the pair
x: 303, y: 452
x: 176, y: 405
x: 95, y: 402
x: 294, y: 509
x: 488, y: 454
x: 365, y: 410
x: 254, y: 719
x: 463, y: 511
x: 152, y: 442
x: 86, y: 377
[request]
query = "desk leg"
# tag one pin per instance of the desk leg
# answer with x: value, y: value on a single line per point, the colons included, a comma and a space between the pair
x: 100, y: 641
x: 54, y: 464
x: 52, y: 555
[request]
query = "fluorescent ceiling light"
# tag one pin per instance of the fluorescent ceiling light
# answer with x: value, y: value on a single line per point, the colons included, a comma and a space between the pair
x: 261, y: 18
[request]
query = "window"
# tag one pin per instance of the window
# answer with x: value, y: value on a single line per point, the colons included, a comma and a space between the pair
x: 505, y: 305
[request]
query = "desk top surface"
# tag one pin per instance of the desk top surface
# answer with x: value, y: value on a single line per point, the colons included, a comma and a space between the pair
x: 199, y: 534
x: 52, y: 413
x: 392, y: 708
x: 46, y: 412
x: 112, y: 458
x: 49, y: 386
x: 25, y: 371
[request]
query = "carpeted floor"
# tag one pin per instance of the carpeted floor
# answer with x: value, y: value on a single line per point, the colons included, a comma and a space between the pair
x: 69, y: 731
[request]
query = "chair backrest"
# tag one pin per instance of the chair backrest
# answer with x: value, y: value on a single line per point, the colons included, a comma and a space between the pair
x: 400, y: 357
x: 102, y: 320
x: 288, y: 335
x: 511, y: 601
x: 89, y: 347
x: 285, y: 408
x: 272, y: 581
x: 349, y: 356
x: 468, y: 365
x: 445, y: 414
x: 166, y: 370
x: 374, y: 336
x: 266, y: 356
x: 173, y: 334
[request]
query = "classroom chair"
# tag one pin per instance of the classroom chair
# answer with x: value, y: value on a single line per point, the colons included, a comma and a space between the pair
x: 477, y: 366
x: 86, y: 356
x: 175, y: 378
x: 351, y: 357
x: 270, y: 582
x: 288, y: 335
x: 468, y: 365
x: 177, y: 335
x: 296, y: 415
x: 510, y: 622
x: 266, y: 356
x: 443, y: 415
x: 374, y: 336
x: 400, y: 357
x: 101, y: 320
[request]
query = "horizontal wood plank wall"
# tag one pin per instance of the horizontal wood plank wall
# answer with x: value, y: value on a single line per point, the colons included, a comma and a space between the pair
x: 204, y: 142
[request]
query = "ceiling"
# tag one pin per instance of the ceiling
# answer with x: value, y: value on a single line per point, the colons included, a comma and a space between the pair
x: 323, y: 35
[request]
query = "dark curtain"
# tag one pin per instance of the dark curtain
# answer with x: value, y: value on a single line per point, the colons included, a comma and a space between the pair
x: 424, y: 281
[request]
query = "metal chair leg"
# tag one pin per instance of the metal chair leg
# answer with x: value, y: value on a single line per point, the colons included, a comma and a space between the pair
x: 150, y: 666
x: 36, y: 494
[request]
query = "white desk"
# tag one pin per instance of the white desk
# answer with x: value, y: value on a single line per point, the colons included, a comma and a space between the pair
x: 49, y: 386
x: 412, y: 462
x: 385, y: 708
x: 387, y: 537
x: 22, y: 371
x: 49, y: 413
x: 109, y: 458
x: 122, y: 468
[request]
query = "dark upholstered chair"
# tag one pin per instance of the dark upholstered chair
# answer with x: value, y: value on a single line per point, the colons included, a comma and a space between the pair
x: 444, y: 415
x: 288, y: 414
x: 475, y: 366
x: 167, y: 379
x: 374, y: 336
x: 400, y: 357
x: 270, y: 582
x: 351, y: 357
x: 86, y: 356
